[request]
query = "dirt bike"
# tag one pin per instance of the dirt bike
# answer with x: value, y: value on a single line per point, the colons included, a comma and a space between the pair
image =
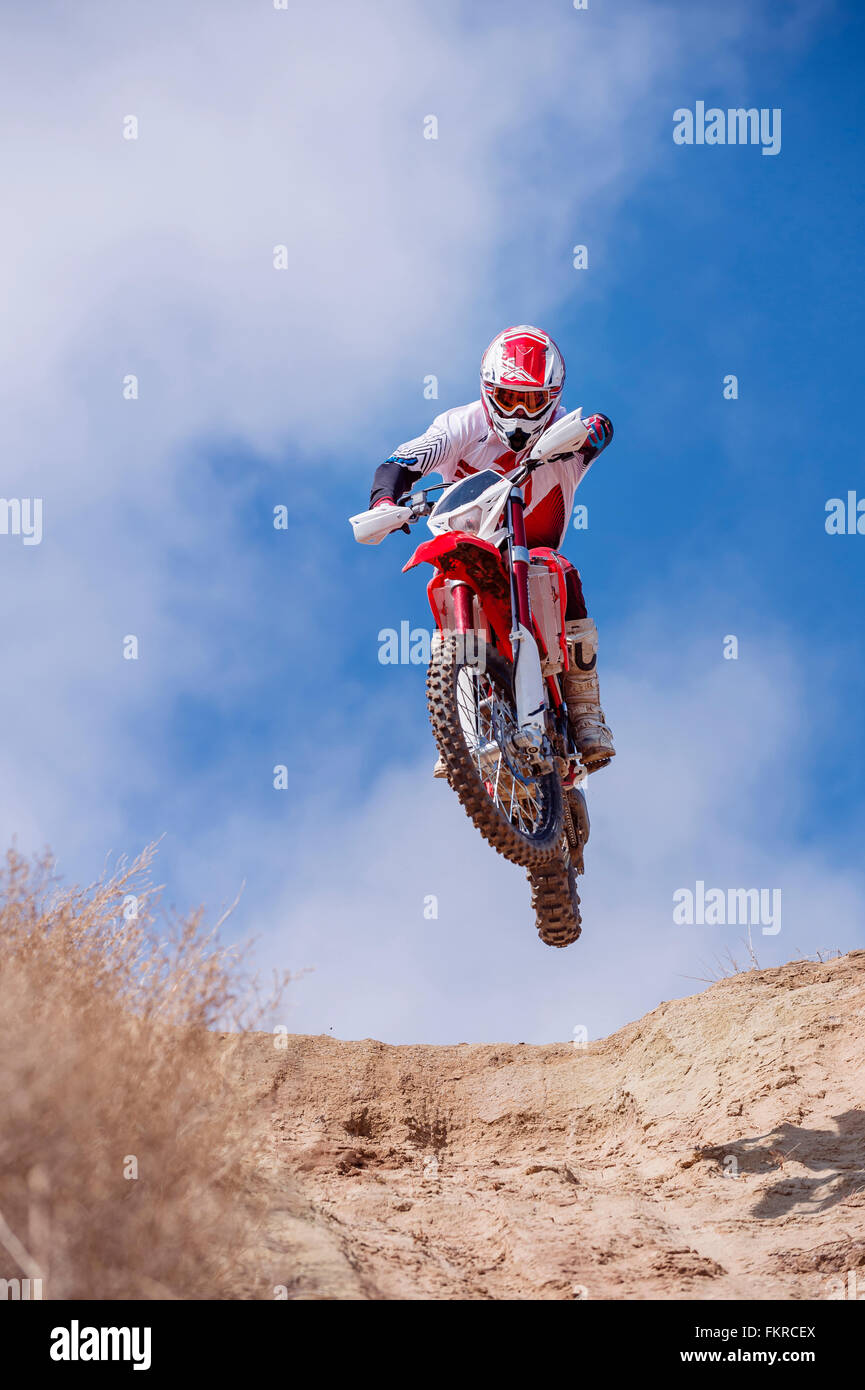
x: 494, y: 687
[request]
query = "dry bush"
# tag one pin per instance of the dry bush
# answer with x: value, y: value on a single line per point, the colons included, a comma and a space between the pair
x: 108, y: 1057
x: 724, y: 967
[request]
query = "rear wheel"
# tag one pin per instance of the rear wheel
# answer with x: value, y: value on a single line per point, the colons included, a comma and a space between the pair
x: 556, y: 902
x: 555, y: 899
x: 473, y: 715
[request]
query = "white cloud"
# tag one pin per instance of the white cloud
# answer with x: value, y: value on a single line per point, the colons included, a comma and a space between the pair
x: 303, y: 128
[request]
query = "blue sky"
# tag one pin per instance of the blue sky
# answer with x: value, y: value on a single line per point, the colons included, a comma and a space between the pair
x: 261, y: 387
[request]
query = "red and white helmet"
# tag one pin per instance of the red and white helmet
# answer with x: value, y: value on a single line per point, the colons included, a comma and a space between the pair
x: 522, y: 375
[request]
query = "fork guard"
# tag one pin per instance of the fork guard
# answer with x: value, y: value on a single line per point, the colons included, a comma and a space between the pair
x: 529, y: 695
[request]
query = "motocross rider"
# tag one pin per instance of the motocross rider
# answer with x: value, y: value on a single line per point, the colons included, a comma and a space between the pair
x: 522, y: 375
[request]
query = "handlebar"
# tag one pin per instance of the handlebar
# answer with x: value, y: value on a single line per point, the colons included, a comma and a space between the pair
x: 419, y: 501
x: 421, y: 506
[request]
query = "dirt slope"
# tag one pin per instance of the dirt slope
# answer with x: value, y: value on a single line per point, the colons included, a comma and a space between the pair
x: 715, y: 1149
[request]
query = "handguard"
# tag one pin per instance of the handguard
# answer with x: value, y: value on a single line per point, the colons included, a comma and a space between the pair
x: 371, y: 527
x: 566, y: 436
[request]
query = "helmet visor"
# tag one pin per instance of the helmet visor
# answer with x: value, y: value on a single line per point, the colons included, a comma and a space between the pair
x: 508, y: 399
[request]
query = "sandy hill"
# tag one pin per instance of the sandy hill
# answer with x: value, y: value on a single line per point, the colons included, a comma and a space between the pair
x: 715, y: 1149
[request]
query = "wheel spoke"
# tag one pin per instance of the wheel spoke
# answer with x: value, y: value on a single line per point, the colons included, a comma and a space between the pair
x: 479, y: 704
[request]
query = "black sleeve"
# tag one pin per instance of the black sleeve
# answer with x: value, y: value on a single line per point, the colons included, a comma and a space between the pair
x: 393, y: 479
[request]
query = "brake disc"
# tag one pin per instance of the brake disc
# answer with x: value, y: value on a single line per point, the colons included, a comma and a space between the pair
x: 505, y: 730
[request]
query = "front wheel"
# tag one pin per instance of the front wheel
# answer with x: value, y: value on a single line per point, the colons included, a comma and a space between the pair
x: 473, y: 711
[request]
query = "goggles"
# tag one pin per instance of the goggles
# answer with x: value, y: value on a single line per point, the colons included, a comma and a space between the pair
x: 508, y: 399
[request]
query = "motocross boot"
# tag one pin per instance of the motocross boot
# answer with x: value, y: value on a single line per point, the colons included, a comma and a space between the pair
x: 591, y: 735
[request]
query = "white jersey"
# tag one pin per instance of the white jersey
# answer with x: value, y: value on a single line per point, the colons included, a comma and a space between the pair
x: 461, y: 441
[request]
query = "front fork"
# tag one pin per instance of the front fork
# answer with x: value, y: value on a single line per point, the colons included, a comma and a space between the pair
x: 462, y: 596
x: 528, y: 679
x: 518, y: 560
x: 529, y: 688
